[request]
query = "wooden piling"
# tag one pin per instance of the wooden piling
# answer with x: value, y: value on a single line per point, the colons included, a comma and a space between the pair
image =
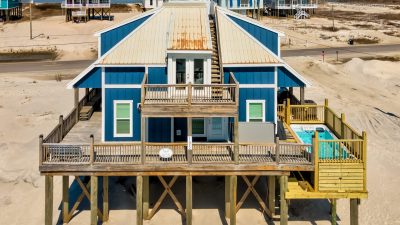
x: 93, y: 199
x: 333, y: 211
x: 65, y: 198
x: 271, y: 194
x: 189, y: 200
x: 232, y: 205
x: 284, y: 205
x: 354, y: 211
x: 146, y: 199
x: 227, y: 196
x: 105, y: 199
x: 48, y: 203
x: 139, y: 200
x: 236, y: 139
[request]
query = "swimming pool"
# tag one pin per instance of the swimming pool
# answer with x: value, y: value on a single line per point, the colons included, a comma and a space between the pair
x: 326, y: 150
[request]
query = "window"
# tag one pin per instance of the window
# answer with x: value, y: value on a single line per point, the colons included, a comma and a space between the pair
x: 198, y: 71
x: 255, y: 110
x: 198, y: 127
x: 122, y: 118
x: 180, y: 71
x: 244, y: 3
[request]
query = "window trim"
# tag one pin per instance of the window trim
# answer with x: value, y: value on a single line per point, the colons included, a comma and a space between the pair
x: 204, y: 134
x: 248, y: 102
x: 115, y: 102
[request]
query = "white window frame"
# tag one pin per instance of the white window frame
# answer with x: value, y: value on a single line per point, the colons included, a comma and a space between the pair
x: 115, y: 102
x: 189, y: 57
x: 204, y: 134
x: 248, y: 102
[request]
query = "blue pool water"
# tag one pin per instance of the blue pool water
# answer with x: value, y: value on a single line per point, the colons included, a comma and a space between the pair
x: 326, y: 150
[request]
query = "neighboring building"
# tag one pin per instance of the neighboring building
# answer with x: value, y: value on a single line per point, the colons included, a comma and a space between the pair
x: 152, y: 4
x: 290, y: 7
x: 178, y: 91
x: 87, y: 9
x: 10, y: 9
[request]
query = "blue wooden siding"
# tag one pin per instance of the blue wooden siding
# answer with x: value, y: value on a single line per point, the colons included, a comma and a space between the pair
x: 124, y: 75
x: 159, y: 129
x: 268, y: 38
x: 287, y: 79
x: 112, y: 94
x: 251, y: 75
x: 110, y: 38
x: 266, y: 94
x: 157, y: 75
x: 91, y: 79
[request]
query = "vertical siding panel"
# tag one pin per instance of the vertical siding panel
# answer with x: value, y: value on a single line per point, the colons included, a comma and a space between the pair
x: 158, y: 75
x: 91, y: 79
x: 124, y: 75
x: 287, y: 79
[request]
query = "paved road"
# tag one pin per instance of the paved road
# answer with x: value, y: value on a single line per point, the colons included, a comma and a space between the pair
x: 364, y: 50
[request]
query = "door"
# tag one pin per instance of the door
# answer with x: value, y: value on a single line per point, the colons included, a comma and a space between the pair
x: 217, y: 129
x: 189, y: 70
x: 180, y: 129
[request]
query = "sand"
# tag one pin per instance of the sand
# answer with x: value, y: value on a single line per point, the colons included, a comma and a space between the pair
x: 367, y: 91
x: 72, y: 41
x: 351, y: 21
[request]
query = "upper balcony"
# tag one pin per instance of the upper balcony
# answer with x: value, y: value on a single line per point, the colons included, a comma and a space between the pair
x: 77, y: 4
x: 190, y: 100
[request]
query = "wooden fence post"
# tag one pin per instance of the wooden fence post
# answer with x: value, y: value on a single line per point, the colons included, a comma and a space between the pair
x: 76, y: 103
x: 288, y: 112
x: 315, y: 148
x: 61, y: 126
x: 91, y: 149
x: 342, y: 121
x: 364, y: 158
x: 277, y: 150
x: 190, y: 93
x: 41, y: 150
x: 236, y: 139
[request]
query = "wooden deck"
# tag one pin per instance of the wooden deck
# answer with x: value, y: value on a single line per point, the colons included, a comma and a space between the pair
x: 80, y: 133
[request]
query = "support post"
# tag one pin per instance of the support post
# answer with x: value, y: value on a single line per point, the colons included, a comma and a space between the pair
x: 139, y: 200
x: 354, y: 211
x: 364, y: 158
x: 188, y: 200
x: 189, y: 140
x: 30, y: 19
x: 61, y: 123
x: 277, y: 150
x: 315, y: 160
x: 236, y: 139
x: 284, y: 205
x: 91, y: 149
x: 143, y: 139
x: 232, y: 205
x: 65, y: 198
x: 48, y: 204
x: 93, y: 199
x: 302, y: 101
x: 105, y: 199
x: 288, y: 112
x: 291, y: 91
x: 146, y: 197
x: 326, y: 110
x: 271, y: 194
x: 343, y: 120
x: 333, y: 211
x: 227, y: 196
x: 76, y: 103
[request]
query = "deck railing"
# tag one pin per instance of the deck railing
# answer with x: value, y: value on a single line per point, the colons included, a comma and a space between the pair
x: 201, y: 153
x: 188, y: 94
x: 65, y: 125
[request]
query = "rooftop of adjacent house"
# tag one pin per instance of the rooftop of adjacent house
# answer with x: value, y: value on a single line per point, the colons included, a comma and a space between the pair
x: 172, y: 27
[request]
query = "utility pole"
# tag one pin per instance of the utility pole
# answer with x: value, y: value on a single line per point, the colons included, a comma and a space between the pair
x: 30, y: 18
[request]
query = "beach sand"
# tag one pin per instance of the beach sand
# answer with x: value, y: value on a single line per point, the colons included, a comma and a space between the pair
x: 366, y: 91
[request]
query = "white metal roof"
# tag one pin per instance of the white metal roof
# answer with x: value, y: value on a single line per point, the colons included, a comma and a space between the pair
x: 173, y: 27
x: 239, y: 47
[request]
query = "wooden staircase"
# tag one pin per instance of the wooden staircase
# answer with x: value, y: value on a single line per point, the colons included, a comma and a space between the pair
x: 215, y: 63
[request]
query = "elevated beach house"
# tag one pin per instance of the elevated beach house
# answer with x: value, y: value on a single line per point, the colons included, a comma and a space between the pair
x: 10, y: 9
x: 185, y: 90
x: 87, y: 9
